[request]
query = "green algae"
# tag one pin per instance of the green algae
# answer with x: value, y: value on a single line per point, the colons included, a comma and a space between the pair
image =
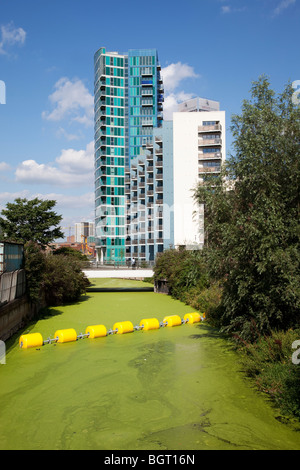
x: 167, y: 389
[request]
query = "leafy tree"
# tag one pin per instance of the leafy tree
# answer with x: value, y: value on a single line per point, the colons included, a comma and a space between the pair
x: 63, y: 280
x: 183, y: 270
x: 68, y: 251
x: 252, y: 216
x: 34, y: 265
x: 31, y: 220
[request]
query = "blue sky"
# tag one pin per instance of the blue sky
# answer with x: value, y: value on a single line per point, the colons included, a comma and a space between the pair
x: 208, y: 48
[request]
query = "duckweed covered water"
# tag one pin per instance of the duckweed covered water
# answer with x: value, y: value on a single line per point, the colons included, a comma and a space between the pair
x: 167, y: 389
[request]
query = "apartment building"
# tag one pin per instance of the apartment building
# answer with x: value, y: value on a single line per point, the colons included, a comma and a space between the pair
x: 84, y: 230
x: 128, y: 97
x: 146, y: 168
x: 199, y: 149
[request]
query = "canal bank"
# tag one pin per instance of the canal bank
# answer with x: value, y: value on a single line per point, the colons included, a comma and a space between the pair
x: 167, y: 389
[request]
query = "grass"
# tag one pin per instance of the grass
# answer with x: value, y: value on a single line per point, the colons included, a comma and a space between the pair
x: 269, y: 363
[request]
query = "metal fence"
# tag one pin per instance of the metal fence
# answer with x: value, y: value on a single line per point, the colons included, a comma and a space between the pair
x: 12, y: 285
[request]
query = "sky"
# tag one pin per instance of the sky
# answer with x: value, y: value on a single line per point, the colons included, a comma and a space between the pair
x: 214, y: 49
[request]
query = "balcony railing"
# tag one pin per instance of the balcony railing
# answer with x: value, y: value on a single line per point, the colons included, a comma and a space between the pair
x: 211, y: 169
x: 216, y: 127
x: 205, y: 142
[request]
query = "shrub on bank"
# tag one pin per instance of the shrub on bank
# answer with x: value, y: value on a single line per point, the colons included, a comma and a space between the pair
x: 63, y: 280
x: 268, y: 362
x: 56, y: 279
x: 188, y: 280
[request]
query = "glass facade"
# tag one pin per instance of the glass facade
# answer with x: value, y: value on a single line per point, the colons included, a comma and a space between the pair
x: 128, y: 97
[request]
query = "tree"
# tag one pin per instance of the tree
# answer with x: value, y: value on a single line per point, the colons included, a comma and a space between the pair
x: 31, y: 220
x: 252, y: 216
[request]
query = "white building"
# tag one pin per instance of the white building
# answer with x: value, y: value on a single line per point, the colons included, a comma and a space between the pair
x: 198, y: 150
x: 84, y: 229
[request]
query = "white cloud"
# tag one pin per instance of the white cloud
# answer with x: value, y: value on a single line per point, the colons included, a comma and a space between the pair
x: 63, y: 133
x: 11, y: 36
x: 282, y: 6
x: 77, y: 161
x: 171, y: 103
x: 72, y: 100
x: 226, y: 9
x: 4, y: 166
x: 173, y: 75
x: 72, y: 167
x: 73, y: 208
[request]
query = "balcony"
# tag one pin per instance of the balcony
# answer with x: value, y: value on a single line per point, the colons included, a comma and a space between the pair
x: 207, y: 142
x: 146, y: 82
x: 216, y: 127
x: 147, y: 92
x: 211, y: 169
x: 209, y: 156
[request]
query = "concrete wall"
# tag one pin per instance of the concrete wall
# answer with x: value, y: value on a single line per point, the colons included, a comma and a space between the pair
x: 14, y: 315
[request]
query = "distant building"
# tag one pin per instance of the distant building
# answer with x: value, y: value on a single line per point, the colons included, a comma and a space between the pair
x: 84, y: 230
x: 197, y: 105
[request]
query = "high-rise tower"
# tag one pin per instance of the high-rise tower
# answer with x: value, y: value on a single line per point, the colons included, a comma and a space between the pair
x: 128, y: 96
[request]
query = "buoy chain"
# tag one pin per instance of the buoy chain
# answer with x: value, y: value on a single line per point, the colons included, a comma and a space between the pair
x: 97, y: 331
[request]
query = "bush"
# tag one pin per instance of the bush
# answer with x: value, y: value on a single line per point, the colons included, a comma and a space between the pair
x: 34, y: 265
x: 268, y: 362
x: 57, y: 279
x: 188, y: 281
x: 183, y: 270
x: 63, y: 280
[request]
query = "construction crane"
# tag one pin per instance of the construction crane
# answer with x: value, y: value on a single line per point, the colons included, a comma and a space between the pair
x: 84, y: 246
x: 67, y: 228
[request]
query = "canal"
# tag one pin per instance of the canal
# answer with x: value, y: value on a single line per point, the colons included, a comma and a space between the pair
x: 177, y: 388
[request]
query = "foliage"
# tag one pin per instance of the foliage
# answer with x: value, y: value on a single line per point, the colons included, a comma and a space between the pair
x: 182, y: 269
x: 68, y: 251
x: 187, y: 276
x: 57, y: 279
x: 31, y: 220
x: 268, y: 362
x: 34, y: 265
x: 63, y: 280
x: 252, y: 217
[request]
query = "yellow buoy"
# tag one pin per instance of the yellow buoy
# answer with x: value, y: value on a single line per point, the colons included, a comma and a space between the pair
x: 65, y: 336
x: 172, y: 320
x: 31, y: 340
x: 149, y: 324
x: 95, y: 331
x: 123, y: 327
x: 192, y: 317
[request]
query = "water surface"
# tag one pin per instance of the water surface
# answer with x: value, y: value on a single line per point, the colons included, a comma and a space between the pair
x: 174, y: 388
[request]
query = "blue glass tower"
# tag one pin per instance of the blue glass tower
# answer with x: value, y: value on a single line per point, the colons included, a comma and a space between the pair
x: 128, y: 97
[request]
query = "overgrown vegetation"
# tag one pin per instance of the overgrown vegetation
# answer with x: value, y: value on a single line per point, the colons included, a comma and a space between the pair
x: 57, y: 279
x: 247, y: 278
x: 188, y: 280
